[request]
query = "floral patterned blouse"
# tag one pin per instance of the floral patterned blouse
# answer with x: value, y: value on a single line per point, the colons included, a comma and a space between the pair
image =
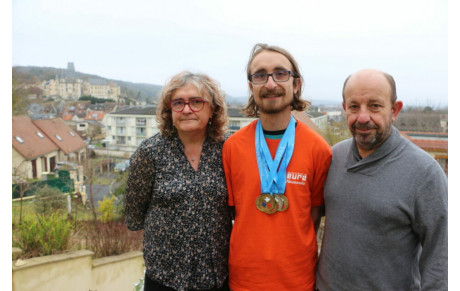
x: 183, y: 212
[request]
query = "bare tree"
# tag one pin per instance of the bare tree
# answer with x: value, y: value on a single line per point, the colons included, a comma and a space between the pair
x: 19, y: 100
x: 90, y: 167
x: 336, y: 131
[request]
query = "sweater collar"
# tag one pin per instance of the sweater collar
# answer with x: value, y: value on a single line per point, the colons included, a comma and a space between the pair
x: 355, y: 162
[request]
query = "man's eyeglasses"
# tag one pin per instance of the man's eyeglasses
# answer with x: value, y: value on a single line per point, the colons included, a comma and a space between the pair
x: 278, y: 76
x: 195, y: 104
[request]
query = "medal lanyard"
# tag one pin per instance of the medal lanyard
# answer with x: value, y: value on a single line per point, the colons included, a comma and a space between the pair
x: 273, y: 172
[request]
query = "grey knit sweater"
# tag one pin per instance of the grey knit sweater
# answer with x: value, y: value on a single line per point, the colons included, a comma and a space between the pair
x: 386, y: 220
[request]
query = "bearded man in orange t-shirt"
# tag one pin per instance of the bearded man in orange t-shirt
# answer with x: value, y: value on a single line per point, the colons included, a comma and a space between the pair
x: 275, y: 169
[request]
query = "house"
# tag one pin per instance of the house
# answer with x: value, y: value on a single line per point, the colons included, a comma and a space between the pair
x: 71, y: 146
x: 33, y: 153
x: 95, y: 115
x: 434, y: 143
x: 302, y: 116
x: 319, y: 119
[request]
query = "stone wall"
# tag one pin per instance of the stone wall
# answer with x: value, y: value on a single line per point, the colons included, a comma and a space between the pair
x: 78, y: 270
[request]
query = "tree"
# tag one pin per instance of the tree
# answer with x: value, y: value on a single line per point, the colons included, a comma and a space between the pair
x: 120, y: 192
x: 19, y: 96
x: 90, y: 167
x: 336, y: 132
x: 95, y: 100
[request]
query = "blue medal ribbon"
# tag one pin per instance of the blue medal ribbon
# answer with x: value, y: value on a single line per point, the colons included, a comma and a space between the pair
x: 273, y: 171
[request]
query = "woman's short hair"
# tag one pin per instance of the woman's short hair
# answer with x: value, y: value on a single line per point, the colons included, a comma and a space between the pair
x: 297, y: 104
x: 210, y: 91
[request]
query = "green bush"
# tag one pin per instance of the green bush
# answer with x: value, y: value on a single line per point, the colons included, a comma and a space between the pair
x: 43, y: 235
x: 49, y: 200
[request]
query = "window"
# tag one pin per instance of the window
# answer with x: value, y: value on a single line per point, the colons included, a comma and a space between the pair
x: 141, y: 121
x: 234, y: 125
x: 20, y: 140
x: 120, y: 120
x: 58, y: 137
x: 140, y: 131
x: 120, y: 130
x: 40, y: 134
x: 121, y: 140
x: 71, y: 133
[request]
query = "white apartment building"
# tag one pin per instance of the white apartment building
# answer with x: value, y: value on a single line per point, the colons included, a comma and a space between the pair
x: 237, y: 119
x: 127, y: 128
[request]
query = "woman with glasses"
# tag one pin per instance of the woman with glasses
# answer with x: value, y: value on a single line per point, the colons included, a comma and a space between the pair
x: 176, y: 189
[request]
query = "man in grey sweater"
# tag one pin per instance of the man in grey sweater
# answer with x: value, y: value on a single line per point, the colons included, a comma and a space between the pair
x: 385, y: 199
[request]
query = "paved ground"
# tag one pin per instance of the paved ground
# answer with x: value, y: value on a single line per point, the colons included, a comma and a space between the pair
x: 100, y: 191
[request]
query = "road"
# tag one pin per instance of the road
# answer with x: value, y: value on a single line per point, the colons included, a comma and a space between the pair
x: 100, y: 191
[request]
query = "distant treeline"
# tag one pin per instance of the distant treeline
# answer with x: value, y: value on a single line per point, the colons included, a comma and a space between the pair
x: 95, y: 100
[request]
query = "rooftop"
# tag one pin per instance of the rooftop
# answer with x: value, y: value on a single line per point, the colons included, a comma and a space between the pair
x: 429, y: 141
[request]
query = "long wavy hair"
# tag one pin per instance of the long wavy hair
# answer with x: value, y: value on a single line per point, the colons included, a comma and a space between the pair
x: 209, y: 90
x: 297, y: 104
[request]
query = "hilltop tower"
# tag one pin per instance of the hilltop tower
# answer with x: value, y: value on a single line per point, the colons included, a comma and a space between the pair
x: 70, y: 73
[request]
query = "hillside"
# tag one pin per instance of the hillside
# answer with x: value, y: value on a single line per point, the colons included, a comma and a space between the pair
x: 33, y: 75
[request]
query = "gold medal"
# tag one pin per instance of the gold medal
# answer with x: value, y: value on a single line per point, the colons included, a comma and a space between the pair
x: 285, y: 202
x: 266, y: 203
x: 279, y: 202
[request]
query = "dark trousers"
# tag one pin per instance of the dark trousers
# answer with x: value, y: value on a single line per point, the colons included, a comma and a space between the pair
x: 151, y: 285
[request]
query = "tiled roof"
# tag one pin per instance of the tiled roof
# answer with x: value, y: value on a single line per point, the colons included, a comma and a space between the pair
x: 62, y: 135
x: 95, y: 115
x: 429, y: 141
x: 432, y: 144
x: 33, y: 145
x: 67, y: 116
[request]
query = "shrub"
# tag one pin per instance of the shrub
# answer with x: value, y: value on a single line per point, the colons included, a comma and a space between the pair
x: 49, y: 200
x: 119, y: 192
x: 111, y: 238
x: 43, y: 235
x: 106, y: 208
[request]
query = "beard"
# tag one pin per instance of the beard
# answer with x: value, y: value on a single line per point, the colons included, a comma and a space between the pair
x: 267, y: 107
x: 370, y: 140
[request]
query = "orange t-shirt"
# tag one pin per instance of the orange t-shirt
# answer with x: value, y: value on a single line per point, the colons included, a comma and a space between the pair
x: 277, y: 251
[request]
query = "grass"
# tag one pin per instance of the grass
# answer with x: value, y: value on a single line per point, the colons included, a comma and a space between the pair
x: 79, y: 212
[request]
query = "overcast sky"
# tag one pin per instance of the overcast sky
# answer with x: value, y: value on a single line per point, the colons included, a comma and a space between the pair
x: 149, y: 41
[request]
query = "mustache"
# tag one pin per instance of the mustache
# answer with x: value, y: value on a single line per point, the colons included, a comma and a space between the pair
x: 278, y: 91
x: 365, y: 126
